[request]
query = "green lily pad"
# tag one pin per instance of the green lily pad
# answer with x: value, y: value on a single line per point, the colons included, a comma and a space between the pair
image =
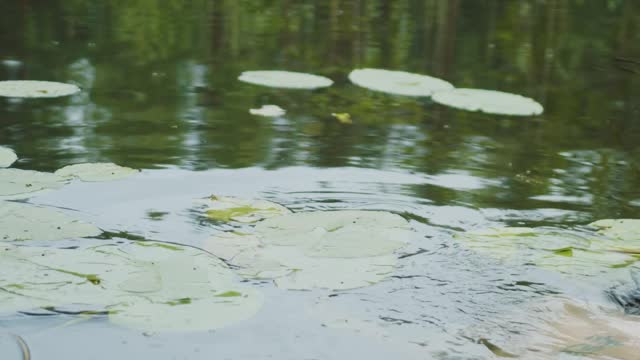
x: 285, y: 79
x: 19, y: 184
x: 626, y: 230
x: 7, y: 157
x: 227, y: 208
x: 489, y: 101
x: 20, y: 221
x: 334, y: 250
x: 96, y: 171
x: 149, y: 288
x: 398, y: 82
x: 36, y: 89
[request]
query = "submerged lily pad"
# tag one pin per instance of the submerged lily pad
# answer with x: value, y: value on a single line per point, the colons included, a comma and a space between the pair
x: 20, y: 221
x: 227, y: 208
x: 18, y: 184
x: 7, y: 157
x: 96, y: 171
x: 334, y: 250
x: 285, y: 79
x: 398, y: 82
x: 36, y: 89
x: 151, y: 288
x: 268, y: 111
x: 489, y: 101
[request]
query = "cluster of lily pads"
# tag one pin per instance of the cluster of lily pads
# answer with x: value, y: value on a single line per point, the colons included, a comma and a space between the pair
x: 399, y: 83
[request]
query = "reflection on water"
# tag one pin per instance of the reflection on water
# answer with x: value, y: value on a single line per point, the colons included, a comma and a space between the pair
x: 160, y: 92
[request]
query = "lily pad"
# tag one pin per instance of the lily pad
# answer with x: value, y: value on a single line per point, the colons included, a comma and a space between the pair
x: 150, y: 288
x: 627, y: 230
x: 19, y: 184
x: 398, y: 82
x: 268, y: 111
x: 7, y: 157
x: 489, y: 101
x: 285, y: 79
x: 334, y: 250
x: 36, y: 89
x: 20, y: 221
x: 227, y: 208
x: 96, y: 171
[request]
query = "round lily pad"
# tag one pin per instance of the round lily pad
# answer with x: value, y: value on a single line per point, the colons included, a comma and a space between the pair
x: 489, y: 101
x: 285, y: 79
x: 36, y: 89
x: 151, y: 288
x: 334, y: 250
x: 20, y: 221
x: 227, y: 208
x: 96, y: 171
x: 18, y: 184
x: 398, y: 82
x: 7, y: 157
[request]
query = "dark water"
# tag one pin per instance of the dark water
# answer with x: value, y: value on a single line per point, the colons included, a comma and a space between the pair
x: 160, y: 92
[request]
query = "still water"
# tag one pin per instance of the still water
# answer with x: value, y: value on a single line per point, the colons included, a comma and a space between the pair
x: 160, y: 93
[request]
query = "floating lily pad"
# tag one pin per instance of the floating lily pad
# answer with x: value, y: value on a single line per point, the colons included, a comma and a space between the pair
x: 151, y: 288
x: 7, y: 157
x: 36, y: 89
x: 20, y: 221
x: 398, y: 82
x: 226, y: 208
x: 334, y: 250
x: 489, y: 101
x: 96, y: 171
x: 627, y: 230
x: 268, y: 111
x: 285, y: 79
x: 556, y: 249
x: 18, y: 184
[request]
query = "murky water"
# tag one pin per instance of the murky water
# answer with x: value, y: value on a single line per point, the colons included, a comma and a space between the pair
x: 160, y: 93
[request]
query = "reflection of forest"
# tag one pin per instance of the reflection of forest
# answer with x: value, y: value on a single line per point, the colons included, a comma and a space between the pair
x: 162, y: 89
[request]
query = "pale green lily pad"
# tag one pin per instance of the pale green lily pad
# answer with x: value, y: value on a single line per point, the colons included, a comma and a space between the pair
x: 285, y: 79
x: 398, y: 82
x: 36, y: 89
x: 7, y: 157
x: 227, y: 208
x: 627, y: 230
x: 20, y: 221
x: 151, y: 288
x: 334, y: 250
x: 489, y: 101
x: 19, y: 184
x: 555, y: 249
x: 96, y: 171
x: 268, y: 111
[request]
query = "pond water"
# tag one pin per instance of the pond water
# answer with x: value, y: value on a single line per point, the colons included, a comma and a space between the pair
x: 160, y: 93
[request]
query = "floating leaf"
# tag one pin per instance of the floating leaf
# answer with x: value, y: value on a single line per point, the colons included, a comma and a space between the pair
x: 268, y: 111
x: 18, y: 184
x: 344, y: 118
x: 398, y: 82
x: 226, y: 208
x: 334, y: 250
x: 147, y: 288
x: 20, y: 221
x: 489, y: 101
x: 36, y: 89
x: 7, y: 157
x: 627, y: 230
x: 285, y: 79
x: 96, y: 171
